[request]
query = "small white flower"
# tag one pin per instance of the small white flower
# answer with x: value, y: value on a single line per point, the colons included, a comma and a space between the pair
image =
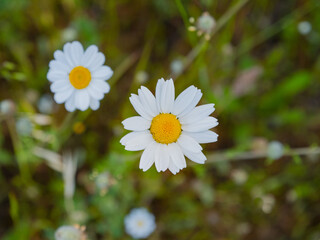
x: 206, y: 23
x: 142, y: 77
x: 7, y: 106
x: 45, y: 104
x: 176, y: 66
x: 139, y: 223
x: 79, y: 77
x: 24, y: 126
x: 69, y: 233
x: 69, y: 34
x: 239, y: 176
x: 267, y: 203
x: 103, y: 182
x: 275, y: 150
x: 169, y: 128
x: 304, y: 27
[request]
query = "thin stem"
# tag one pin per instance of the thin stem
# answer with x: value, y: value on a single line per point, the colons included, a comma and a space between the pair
x: 225, y: 155
x: 69, y: 206
x: 23, y: 166
x: 182, y: 12
x: 274, y: 29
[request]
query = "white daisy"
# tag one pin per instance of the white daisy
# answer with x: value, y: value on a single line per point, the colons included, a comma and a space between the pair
x: 139, y: 223
x: 169, y: 128
x: 79, y: 77
x: 70, y: 233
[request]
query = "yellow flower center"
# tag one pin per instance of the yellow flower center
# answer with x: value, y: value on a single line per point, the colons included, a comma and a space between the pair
x: 165, y: 128
x: 80, y: 77
x: 140, y: 223
x: 79, y: 127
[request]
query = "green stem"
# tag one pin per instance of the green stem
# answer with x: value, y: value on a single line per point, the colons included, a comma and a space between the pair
x: 182, y: 12
x: 274, y: 29
x: 69, y: 206
x: 23, y: 166
x: 225, y: 155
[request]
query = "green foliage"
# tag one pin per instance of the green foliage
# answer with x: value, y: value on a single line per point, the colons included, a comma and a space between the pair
x: 258, y: 69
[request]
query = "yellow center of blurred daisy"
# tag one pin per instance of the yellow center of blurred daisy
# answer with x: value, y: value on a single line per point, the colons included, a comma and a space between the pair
x: 140, y: 223
x: 80, y: 77
x: 165, y: 128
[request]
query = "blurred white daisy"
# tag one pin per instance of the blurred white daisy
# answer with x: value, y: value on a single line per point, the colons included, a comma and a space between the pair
x: 204, y: 25
x: 46, y: 104
x: 239, y: 176
x: 176, y: 66
x: 7, y: 106
x: 139, y: 223
x: 79, y: 77
x: 70, y: 233
x: 304, y: 27
x: 24, y: 126
x: 169, y: 128
x: 275, y: 150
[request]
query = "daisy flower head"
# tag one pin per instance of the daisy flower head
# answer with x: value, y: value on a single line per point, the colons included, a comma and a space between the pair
x: 169, y: 129
x: 78, y: 76
x: 139, y: 223
x: 70, y: 233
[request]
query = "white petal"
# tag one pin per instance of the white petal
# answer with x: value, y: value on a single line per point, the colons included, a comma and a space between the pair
x: 136, y: 123
x: 197, y: 114
x: 60, y: 86
x: 184, y: 99
x: 101, y: 86
x: 94, y: 93
x: 54, y: 75
x: 173, y: 168
x: 198, y: 157
x: 134, y: 99
x: 146, y: 104
x: 192, y: 104
x: 165, y: 158
x: 97, y: 62
x: 148, y: 96
x: 59, y: 56
x: 161, y: 157
x: 132, y: 135
x: 82, y: 99
x: 103, y: 73
x: 70, y: 104
x: 176, y: 155
x: 67, y: 53
x: 89, y: 55
x: 203, y: 125
x: 203, y: 137
x: 167, y: 96
x: 159, y: 89
x: 94, y: 104
x: 189, y: 143
x: 129, y: 136
x: 147, y: 157
x: 59, y: 66
x: 76, y: 52
x: 61, y: 97
x: 139, y: 142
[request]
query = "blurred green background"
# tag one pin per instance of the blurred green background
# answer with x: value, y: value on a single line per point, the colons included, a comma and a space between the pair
x: 260, y: 67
